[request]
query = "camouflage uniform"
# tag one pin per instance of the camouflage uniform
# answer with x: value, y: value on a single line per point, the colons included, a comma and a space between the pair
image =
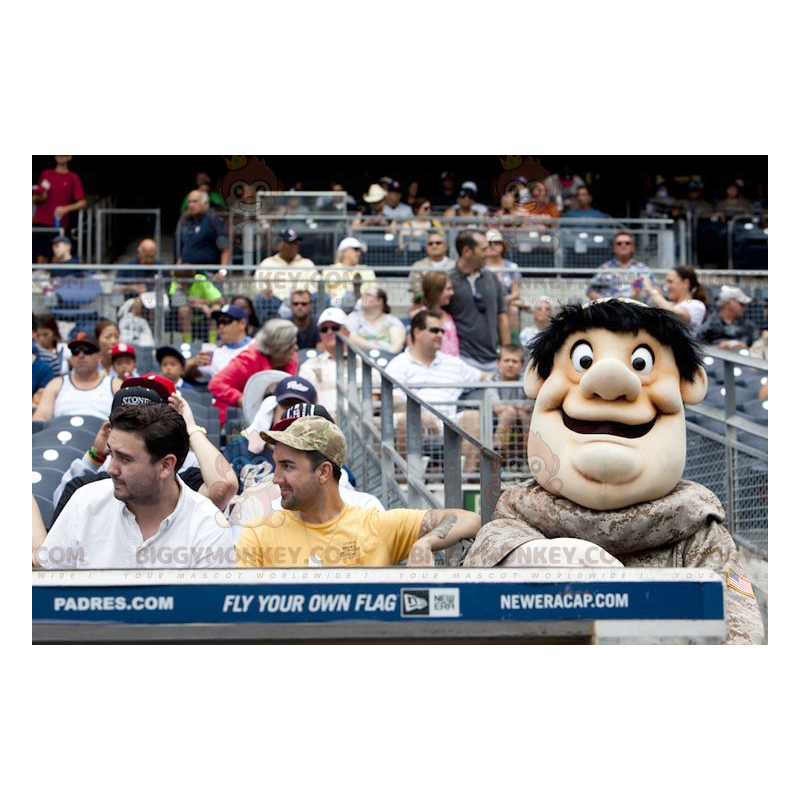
x: 683, y: 529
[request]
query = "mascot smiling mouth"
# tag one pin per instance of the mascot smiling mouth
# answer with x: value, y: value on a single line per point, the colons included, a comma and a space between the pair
x: 610, y: 428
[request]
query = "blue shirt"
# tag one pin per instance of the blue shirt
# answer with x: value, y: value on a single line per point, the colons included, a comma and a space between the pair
x: 198, y: 239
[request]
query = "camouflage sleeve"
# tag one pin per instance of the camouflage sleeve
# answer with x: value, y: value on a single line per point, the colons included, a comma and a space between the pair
x: 715, y: 549
x: 496, y: 539
x: 506, y: 531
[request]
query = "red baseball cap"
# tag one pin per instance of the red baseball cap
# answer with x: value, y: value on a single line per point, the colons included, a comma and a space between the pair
x: 164, y: 386
x: 122, y: 349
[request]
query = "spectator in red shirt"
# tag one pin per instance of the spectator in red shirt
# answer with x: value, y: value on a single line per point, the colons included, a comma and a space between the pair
x: 58, y: 193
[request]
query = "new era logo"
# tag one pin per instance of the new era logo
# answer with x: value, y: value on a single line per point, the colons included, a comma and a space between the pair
x: 439, y: 602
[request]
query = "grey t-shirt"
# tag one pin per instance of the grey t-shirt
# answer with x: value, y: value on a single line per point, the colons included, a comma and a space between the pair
x: 475, y: 313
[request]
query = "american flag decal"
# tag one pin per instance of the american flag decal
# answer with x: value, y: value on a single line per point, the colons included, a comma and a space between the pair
x: 740, y: 583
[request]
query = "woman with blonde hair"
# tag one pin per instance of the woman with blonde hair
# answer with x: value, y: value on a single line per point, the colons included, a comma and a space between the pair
x: 687, y: 296
x: 437, y: 289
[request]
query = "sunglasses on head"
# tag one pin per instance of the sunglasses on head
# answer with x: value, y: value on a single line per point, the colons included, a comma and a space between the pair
x: 329, y: 327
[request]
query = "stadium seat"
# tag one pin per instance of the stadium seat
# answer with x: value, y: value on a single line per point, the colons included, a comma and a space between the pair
x: 715, y: 396
x: 45, y: 481
x: 80, y: 438
x: 75, y: 297
x: 744, y: 394
x: 56, y: 457
x: 757, y: 410
x: 85, y: 422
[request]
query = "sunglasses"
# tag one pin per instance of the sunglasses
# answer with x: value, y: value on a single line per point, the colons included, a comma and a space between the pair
x: 224, y: 320
x: 625, y: 243
x: 301, y: 302
x: 479, y: 302
x: 435, y: 242
x: 82, y: 349
x: 435, y: 330
x: 332, y: 327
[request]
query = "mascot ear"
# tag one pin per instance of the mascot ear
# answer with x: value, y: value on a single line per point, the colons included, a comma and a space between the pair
x: 532, y: 381
x: 694, y: 391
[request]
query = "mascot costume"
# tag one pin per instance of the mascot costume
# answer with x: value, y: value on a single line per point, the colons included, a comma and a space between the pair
x: 607, y: 449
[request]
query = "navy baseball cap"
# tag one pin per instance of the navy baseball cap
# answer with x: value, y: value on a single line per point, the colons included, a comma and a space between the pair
x: 230, y: 310
x: 57, y: 239
x: 289, y: 235
x: 170, y: 351
x: 297, y: 389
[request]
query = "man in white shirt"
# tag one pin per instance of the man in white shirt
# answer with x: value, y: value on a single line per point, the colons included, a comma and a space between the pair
x: 286, y: 270
x: 422, y: 363
x: 145, y: 516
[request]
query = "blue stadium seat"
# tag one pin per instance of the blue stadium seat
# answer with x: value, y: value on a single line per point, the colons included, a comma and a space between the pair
x: 80, y: 438
x: 75, y: 297
x: 757, y: 410
x: 55, y: 457
x: 45, y: 480
x: 715, y: 396
x: 80, y: 421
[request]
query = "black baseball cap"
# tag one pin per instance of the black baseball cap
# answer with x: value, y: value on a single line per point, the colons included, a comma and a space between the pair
x: 170, y: 351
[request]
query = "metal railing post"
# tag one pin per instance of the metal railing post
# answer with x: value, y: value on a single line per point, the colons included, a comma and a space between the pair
x: 387, y: 434
x: 80, y: 236
x: 160, y: 311
x: 98, y: 249
x: 413, y: 447
x: 682, y: 252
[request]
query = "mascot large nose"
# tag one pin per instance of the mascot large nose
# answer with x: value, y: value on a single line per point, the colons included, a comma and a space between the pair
x: 610, y: 379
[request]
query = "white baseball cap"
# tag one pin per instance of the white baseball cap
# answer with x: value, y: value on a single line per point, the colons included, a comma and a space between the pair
x: 349, y: 241
x: 335, y: 315
x: 732, y: 293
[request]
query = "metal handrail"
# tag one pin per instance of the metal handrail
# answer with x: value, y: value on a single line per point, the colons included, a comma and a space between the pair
x: 359, y: 412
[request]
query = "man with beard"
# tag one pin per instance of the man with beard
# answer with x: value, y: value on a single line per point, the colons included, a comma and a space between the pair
x: 145, y: 515
x: 318, y: 529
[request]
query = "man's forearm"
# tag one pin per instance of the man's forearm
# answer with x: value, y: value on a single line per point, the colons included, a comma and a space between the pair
x: 219, y: 479
x: 445, y: 527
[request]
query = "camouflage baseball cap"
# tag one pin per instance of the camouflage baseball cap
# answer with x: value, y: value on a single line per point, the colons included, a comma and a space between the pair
x: 311, y: 433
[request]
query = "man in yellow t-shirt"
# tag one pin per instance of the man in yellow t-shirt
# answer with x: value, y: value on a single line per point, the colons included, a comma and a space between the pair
x: 316, y: 529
